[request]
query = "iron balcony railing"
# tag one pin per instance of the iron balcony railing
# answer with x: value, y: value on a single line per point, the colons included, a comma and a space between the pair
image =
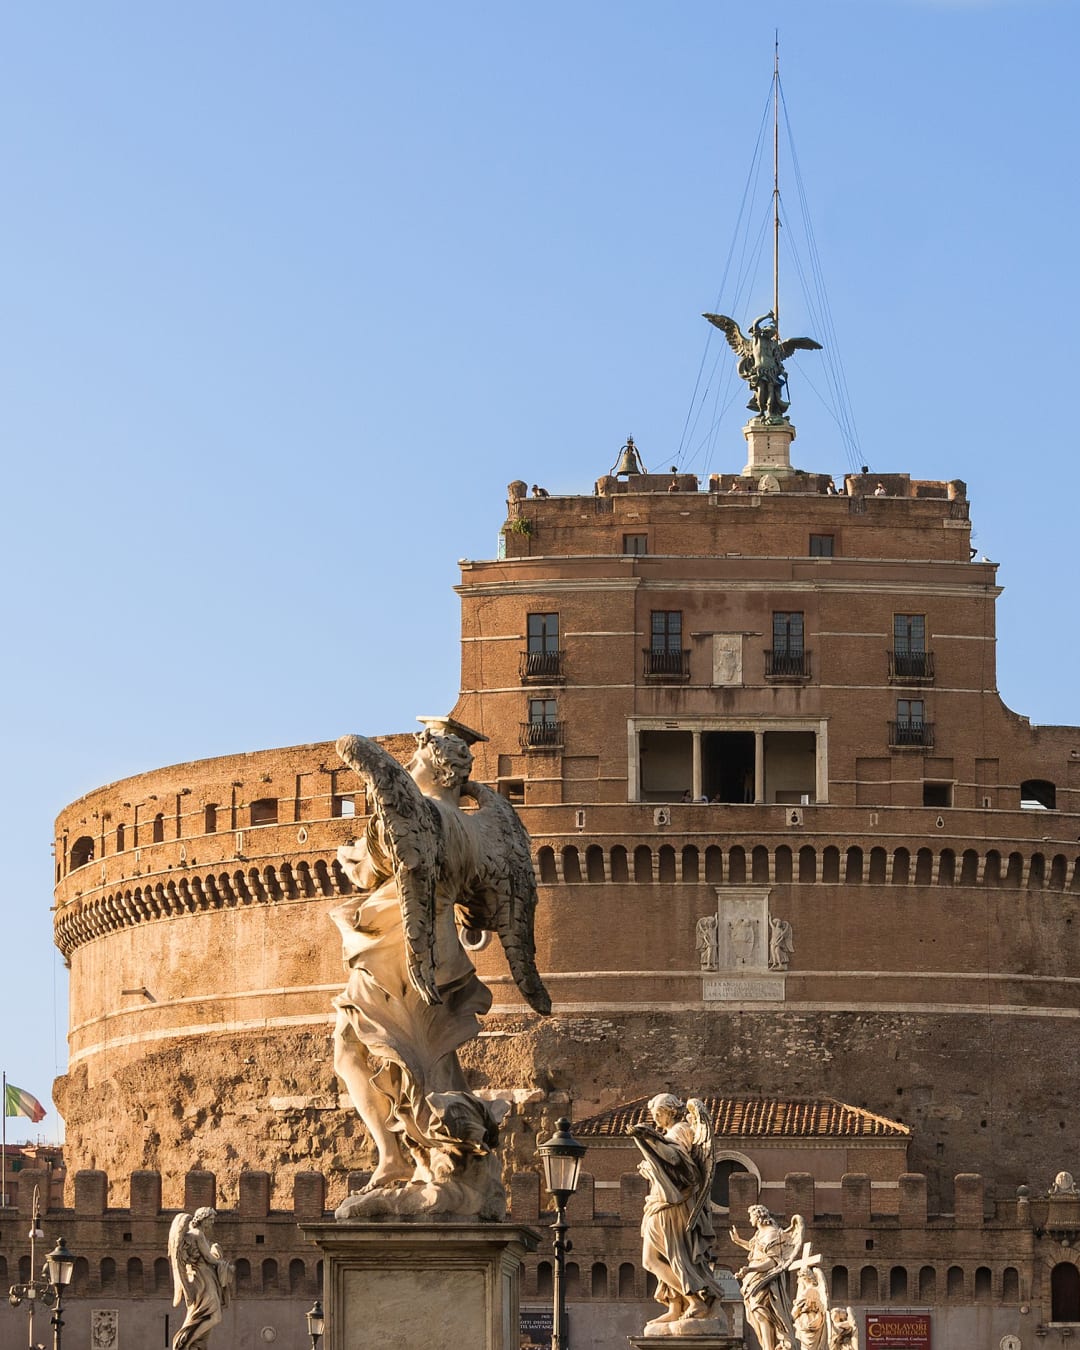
x: 665, y: 665
x: 911, y: 667
x: 541, y: 735
x: 912, y: 731
x: 542, y: 667
x: 787, y: 665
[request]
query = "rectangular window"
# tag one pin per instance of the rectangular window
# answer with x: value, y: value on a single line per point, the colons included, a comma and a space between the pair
x: 937, y: 794
x: 635, y: 543
x: 543, y: 634
x: 910, y: 712
x: 667, y: 630
x: 787, y: 633
x: 264, y: 811
x: 543, y: 711
x: 821, y: 545
x: 909, y: 634
x: 343, y: 805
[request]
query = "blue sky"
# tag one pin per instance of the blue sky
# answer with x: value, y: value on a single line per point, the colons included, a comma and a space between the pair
x: 288, y: 294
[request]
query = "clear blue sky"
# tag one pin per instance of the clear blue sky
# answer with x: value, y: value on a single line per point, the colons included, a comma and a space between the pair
x: 290, y: 293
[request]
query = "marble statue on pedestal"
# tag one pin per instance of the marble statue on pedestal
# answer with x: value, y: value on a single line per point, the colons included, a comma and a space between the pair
x: 202, y: 1277
x: 676, y: 1229
x: 771, y: 1252
x: 426, y: 869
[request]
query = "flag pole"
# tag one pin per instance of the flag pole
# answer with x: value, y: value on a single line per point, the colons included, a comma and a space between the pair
x: 3, y: 1153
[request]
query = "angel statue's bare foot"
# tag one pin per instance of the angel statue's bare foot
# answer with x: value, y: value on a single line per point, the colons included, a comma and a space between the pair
x: 390, y: 1173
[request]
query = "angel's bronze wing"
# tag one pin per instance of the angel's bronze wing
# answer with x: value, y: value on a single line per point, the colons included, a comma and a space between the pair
x: 790, y: 345
x: 506, y: 885
x: 731, y: 330
x: 410, y: 825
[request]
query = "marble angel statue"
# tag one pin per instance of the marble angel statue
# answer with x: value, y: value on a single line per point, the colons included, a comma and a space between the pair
x: 426, y: 869
x: 761, y: 361
x: 202, y: 1277
x: 764, y: 1279
x: 676, y: 1229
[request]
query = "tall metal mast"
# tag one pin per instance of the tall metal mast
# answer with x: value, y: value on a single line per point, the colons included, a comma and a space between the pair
x: 776, y: 180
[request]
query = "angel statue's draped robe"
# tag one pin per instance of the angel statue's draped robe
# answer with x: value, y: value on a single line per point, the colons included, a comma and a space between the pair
x: 413, y: 1043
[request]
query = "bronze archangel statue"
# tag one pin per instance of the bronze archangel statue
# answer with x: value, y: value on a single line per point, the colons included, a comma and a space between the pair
x: 427, y: 872
x: 761, y: 361
x: 676, y: 1230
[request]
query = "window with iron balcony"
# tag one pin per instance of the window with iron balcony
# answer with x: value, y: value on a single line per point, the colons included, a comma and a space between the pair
x: 665, y: 658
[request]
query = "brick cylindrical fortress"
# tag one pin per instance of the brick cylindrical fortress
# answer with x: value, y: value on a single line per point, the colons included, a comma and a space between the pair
x: 736, y: 707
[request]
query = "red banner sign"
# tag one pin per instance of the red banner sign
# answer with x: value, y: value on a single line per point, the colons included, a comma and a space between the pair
x: 898, y: 1331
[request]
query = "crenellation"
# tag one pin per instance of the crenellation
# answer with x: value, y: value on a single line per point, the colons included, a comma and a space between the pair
x: 200, y: 1190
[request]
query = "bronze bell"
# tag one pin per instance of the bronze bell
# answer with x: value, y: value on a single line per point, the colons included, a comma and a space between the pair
x: 629, y: 461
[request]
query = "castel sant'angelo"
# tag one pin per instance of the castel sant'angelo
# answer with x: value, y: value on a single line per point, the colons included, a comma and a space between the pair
x: 790, y: 843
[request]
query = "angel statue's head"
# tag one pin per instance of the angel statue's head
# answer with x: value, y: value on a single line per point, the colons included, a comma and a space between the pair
x: 204, y: 1216
x: 665, y: 1109
x: 447, y: 758
x: 759, y: 1215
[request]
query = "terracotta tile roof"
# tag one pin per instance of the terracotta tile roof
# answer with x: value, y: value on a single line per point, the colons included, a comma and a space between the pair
x: 759, y: 1117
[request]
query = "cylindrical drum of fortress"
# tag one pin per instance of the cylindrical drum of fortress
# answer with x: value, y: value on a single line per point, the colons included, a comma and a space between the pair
x: 788, y: 838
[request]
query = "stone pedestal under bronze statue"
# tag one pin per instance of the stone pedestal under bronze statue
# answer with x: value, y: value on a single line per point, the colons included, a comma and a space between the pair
x: 410, y: 1286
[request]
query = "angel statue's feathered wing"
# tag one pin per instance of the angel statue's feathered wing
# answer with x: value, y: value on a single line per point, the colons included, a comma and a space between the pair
x: 697, y: 1113
x: 501, y: 897
x: 731, y: 330
x: 183, y: 1285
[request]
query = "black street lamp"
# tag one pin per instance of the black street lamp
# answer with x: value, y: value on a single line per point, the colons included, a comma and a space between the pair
x: 37, y: 1290
x: 561, y: 1156
x: 61, y: 1265
x: 316, y: 1324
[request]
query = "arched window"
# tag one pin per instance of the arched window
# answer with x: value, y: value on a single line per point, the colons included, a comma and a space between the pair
x: 1059, y: 871
x: 927, y: 1284
x: 297, y: 1276
x: 1010, y: 1285
x: 1037, y: 870
x: 783, y: 864
x: 594, y: 862
x: 737, y: 865
x: 643, y: 863
x: 947, y: 868
x: 1036, y: 794
x: 571, y: 864
x: 81, y: 1282
x: 134, y: 1276
x: 969, y: 868
x: 666, y: 863
x: 690, y: 863
x: 924, y: 867
x: 868, y: 1285
x: 243, y: 1274
x: 544, y: 1280
x: 878, y: 859
x: 720, y: 1192
x: 82, y: 852
x: 546, y: 860
x: 620, y: 870
x: 599, y: 1280
x: 626, y: 1281
x: 983, y: 1284
x: 898, y: 1285
x: 1015, y: 873
x: 162, y: 1275
x: 839, y: 1284
x: 573, y: 1280
x: 120, y: 832
x: 269, y: 1273
x: 992, y: 870
x: 714, y: 864
x: 830, y: 864
x: 807, y: 865
x: 1065, y: 1293
x: 264, y: 811
x: 108, y: 1275
x: 650, y: 1284
x: 954, y: 1284
x: 853, y: 871
x: 158, y: 832
x: 901, y: 867
x: 759, y: 864
x: 210, y: 818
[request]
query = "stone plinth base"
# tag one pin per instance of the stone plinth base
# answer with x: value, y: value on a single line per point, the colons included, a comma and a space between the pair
x: 409, y: 1286
x: 687, y: 1342
x: 768, y: 448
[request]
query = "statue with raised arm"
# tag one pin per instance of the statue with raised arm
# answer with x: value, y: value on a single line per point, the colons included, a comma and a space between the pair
x: 761, y: 361
x: 676, y: 1229
x: 202, y: 1277
x: 427, y: 871
x: 766, y: 1296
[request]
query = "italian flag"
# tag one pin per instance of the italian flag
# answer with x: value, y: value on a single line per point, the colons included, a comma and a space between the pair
x: 20, y: 1103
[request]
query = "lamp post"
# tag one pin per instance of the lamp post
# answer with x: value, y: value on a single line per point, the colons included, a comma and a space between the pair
x: 561, y: 1156
x: 61, y: 1265
x: 316, y: 1324
x: 37, y: 1291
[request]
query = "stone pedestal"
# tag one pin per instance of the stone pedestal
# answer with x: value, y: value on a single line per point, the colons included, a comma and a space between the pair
x: 768, y: 449
x: 687, y: 1342
x: 410, y: 1286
